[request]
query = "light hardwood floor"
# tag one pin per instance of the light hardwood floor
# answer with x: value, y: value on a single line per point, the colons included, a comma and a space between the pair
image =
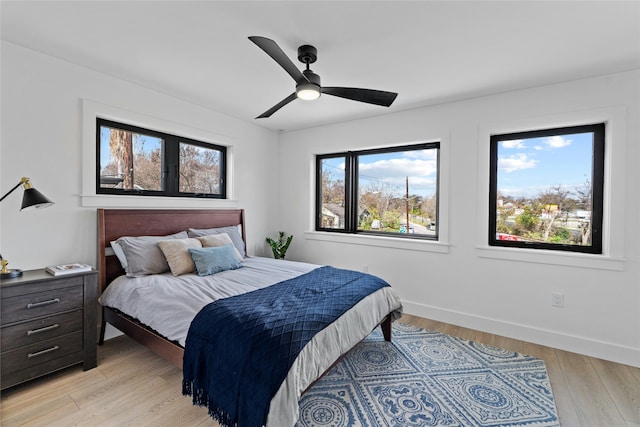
x: 132, y: 386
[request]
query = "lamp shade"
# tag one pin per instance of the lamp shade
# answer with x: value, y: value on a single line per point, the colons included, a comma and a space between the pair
x: 33, y: 199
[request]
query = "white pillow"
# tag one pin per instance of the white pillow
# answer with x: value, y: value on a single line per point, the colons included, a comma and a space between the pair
x: 117, y: 250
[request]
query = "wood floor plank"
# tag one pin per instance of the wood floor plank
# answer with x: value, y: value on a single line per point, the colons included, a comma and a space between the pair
x: 625, y: 393
x: 567, y: 412
x: 39, y: 413
x: 596, y: 406
x: 133, y: 386
x: 38, y: 391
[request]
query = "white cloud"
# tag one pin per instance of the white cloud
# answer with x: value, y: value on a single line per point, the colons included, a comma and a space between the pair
x: 514, y: 143
x: 557, y: 141
x: 428, y: 154
x: 399, y: 167
x: 518, y: 162
x: 393, y: 172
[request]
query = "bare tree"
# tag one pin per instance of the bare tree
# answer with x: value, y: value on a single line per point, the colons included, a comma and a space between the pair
x: 332, y: 188
x: 585, y: 202
x: 552, y: 203
x: 121, y: 148
x: 199, y: 169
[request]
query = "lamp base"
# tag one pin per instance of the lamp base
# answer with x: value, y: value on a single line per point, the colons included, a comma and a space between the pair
x: 10, y: 274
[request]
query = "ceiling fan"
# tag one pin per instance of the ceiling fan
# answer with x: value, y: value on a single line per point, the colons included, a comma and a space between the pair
x: 308, y: 83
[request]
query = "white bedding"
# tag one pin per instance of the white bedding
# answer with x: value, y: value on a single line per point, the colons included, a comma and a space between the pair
x: 168, y: 304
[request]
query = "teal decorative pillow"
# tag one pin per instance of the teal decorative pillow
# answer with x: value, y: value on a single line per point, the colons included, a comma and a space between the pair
x: 215, y: 259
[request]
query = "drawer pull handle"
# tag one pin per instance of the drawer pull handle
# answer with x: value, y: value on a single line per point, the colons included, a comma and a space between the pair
x: 45, y: 329
x: 40, y: 353
x: 42, y: 303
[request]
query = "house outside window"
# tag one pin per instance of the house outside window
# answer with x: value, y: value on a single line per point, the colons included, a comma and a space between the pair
x: 546, y: 189
x: 143, y: 162
x: 386, y: 191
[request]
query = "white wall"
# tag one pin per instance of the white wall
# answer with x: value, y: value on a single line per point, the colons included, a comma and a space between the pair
x: 463, y: 281
x: 42, y: 138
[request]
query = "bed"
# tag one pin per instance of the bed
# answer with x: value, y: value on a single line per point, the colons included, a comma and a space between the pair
x: 318, y: 356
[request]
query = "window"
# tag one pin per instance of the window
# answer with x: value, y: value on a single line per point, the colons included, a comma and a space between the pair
x: 388, y: 191
x: 137, y: 161
x: 546, y: 189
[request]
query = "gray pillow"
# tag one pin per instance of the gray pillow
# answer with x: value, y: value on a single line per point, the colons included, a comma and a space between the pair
x: 232, y: 231
x: 144, y: 255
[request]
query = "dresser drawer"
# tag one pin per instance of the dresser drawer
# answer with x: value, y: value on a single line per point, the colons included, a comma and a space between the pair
x: 36, y: 283
x: 10, y: 379
x: 44, y: 351
x: 34, y: 331
x: 30, y: 306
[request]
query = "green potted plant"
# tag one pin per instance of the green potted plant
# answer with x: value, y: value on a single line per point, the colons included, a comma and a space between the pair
x: 279, y: 247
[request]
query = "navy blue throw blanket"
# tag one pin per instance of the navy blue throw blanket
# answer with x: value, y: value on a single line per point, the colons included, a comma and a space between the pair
x: 239, y: 349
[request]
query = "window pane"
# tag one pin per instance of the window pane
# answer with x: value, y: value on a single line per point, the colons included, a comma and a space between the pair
x: 398, y: 188
x: 332, y: 192
x: 544, y: 189
x: 130, y: 160
x: 200, y: 169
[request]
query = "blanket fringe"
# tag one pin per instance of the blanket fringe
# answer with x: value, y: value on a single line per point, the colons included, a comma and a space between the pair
x: 201, y: 398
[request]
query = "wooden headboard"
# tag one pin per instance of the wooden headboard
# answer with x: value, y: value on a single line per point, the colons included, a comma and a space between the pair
x: 114, y: 223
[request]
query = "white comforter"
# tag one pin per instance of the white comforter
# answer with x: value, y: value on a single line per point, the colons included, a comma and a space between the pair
x: 168, y: 304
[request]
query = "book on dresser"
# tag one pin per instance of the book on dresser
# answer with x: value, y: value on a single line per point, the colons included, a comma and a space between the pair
x: 58, y: 270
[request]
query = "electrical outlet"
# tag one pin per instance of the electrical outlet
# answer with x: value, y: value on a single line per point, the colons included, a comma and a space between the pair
x: 557, y: 299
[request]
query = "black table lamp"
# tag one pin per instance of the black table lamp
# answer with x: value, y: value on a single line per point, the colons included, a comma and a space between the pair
x: 31, y: 199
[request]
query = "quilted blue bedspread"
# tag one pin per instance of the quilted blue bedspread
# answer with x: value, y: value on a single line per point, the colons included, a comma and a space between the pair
x: 239, y: 349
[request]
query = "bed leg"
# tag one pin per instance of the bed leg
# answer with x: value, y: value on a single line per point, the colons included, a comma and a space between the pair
x: 103, y: 326
x: 386, y: 328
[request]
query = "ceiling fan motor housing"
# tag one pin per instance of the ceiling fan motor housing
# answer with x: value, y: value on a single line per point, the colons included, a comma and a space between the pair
x: 307, y: 54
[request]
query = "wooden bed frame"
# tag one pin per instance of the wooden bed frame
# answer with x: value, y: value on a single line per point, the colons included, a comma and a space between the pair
x: 115, y: 223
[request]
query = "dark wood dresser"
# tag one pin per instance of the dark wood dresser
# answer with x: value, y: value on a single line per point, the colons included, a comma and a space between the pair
x: 47, y: 323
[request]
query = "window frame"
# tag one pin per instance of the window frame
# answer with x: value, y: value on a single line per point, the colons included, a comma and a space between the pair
x: 171, y: 163
x: 351, y: 190
x: 597, y: 186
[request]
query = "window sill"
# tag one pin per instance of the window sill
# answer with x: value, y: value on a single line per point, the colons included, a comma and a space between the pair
x: 379, y: 241
x: 569, y: 259
x: 118, y: 201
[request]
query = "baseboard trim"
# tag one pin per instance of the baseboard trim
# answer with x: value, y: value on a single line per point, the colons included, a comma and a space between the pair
x: 576, y: 344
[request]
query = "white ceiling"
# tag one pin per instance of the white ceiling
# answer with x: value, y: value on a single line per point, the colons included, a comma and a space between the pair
x: 427, y: 51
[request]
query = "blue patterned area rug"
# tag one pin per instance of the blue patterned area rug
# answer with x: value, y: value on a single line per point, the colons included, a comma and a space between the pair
x: 426, y: 378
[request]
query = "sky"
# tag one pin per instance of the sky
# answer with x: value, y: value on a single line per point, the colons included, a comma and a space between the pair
x: 390, y: 170
x: 150, y: 143
x: 528, y: 167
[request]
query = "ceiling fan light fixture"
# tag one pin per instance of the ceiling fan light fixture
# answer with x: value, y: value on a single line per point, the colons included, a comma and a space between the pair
x: 308, y: 91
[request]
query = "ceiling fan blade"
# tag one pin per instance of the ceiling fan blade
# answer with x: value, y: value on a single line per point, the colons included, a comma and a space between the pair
x: 272, y: 49
x: 370, y: 96
x: 278, y: 106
